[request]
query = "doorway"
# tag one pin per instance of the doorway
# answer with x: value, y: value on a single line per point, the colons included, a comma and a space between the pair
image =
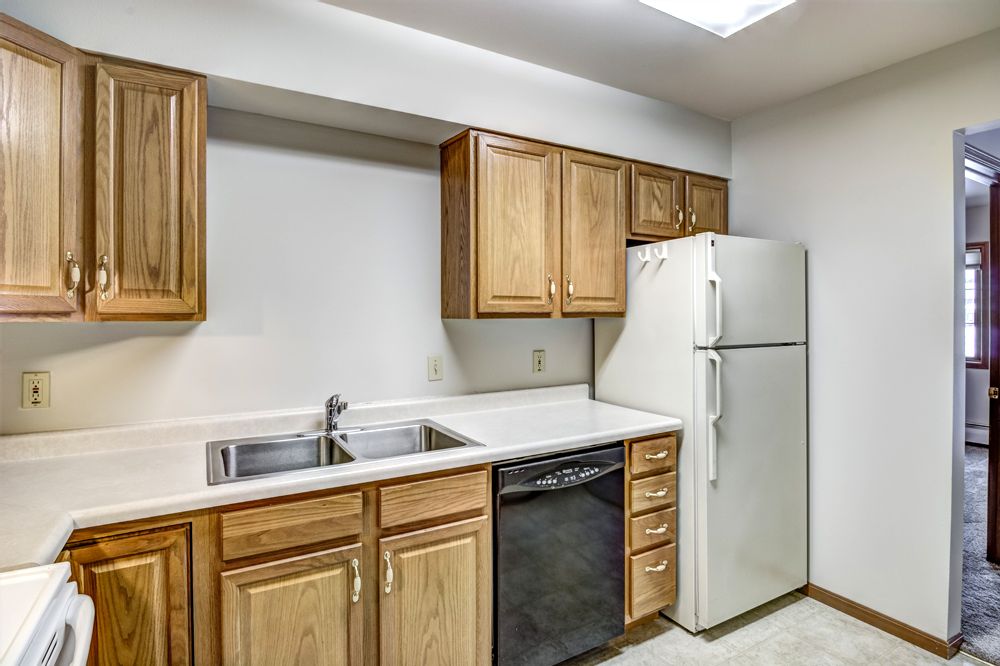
x: 981, y: 545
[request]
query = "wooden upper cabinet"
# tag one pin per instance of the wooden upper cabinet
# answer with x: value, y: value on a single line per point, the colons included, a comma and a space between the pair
x: 437, y: 607
x: 41, y: 147
x: 517, y: 189
x: 706, y: 204
x: 300, y: 610
x: 657, y: 202
x: 150, y: 194
x: 140, y: 584
x: 594, y: 192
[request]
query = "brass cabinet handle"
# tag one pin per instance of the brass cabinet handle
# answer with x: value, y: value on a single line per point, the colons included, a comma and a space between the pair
x: 659, y: 530
x: 103, y: 278
x: 680, y: 217
x: 658, y: 456
x: 74, y: 275
x: 388, y: 572
x: 693, y: 218
x: 356, y: 592
x: 569, y: 290
x: 662, y: 566
x: 552, y: 287
x: 662, y: 492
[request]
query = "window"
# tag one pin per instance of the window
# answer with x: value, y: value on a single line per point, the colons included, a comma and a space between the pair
x: 976, y: 326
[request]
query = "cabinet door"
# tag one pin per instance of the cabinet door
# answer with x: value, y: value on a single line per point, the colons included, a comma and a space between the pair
x: 41, y: 142
x: 706, y: 204
x: 300, y: 610
x: 149, y: 180
x: 518, y: 226
x: 141, y: 589
x: 593, y: 233
x: 657, y: 202
x: 435, y: 605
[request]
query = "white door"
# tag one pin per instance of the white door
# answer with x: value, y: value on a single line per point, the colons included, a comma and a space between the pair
x: 748, y: 291
x: 750, y: 467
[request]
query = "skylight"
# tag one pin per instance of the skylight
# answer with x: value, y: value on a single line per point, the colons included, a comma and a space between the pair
x: 723, y: 17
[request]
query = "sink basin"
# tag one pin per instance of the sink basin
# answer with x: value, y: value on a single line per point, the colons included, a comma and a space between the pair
x: 401, y: 440
x: 256, y: 457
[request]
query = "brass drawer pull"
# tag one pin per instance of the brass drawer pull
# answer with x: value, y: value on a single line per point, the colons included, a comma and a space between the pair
x: 569, y: 290
x: 356, y: 592
x: 680, y: 217
x: 552, y: 287
x: 657, y: 456
x: 659, y: 530
x: 102, y: 278
x: 693, y: 218
x: 662, y: 566
x: 388, y: 572
x: 662, y: 492
x: 74, y: 275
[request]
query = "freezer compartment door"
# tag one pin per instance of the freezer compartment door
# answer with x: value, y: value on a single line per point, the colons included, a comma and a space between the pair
x: 748, y: 291
x: 750, y: 467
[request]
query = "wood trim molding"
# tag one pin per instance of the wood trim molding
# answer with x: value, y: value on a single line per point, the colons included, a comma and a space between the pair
x: 982, y: 163
x: 945, y: 649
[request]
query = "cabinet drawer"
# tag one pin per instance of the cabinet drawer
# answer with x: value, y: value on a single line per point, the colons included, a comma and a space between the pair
x: 658, y: 454
x: 653, y: 493
x: 270, y: 528
x: 653, y: 529
x: 420, y: 501
x: 654, y: 581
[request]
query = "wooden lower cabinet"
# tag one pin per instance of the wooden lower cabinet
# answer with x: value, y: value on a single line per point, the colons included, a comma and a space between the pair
x: 296, y: 611
x: 141, y: 587
x: 435, y: 605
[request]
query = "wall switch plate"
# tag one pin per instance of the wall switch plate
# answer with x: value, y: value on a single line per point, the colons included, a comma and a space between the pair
x: 435, y: 368
x: 537, y: 361
x: 34, y: 390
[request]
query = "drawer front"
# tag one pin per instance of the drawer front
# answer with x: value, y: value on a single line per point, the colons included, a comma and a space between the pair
x: 653, y: 493
x: 654, y: 581
x: 653, y: 529
x: 267, y: 529
x: 432, y: 499
x: 651, y: 455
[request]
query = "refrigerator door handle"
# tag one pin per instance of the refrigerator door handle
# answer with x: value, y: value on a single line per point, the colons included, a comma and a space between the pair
x: 716, y: 282
x: 713, y: 418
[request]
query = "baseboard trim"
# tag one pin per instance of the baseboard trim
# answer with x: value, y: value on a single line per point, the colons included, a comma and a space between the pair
x: 942, y: 648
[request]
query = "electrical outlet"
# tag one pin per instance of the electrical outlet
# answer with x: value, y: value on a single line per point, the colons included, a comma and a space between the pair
x: 537, y: 361
x: 34, y: 390
x: 435, y: 368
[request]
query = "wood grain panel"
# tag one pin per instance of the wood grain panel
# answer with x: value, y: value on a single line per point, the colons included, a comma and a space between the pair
x: 649, y: 455
x: 707, y: 204
x: 458, y: 229
x: 657, y: 202
x: 297, y: 611
x: 654, y: 485
x: 41, y: 144
x: 594, y: 212
x: 431, y: 499
x: 287, y: 525
x: 517, y: 198
x: 140, y: 585
x: 652, y: 529
x: 149, y: 180
x: 438, y: 608
x: 653, y: 590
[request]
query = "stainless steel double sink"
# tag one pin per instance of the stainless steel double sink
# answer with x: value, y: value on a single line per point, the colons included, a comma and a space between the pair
x: 257, y: 457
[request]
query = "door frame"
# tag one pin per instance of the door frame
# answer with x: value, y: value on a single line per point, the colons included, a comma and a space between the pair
x: 985, y: 168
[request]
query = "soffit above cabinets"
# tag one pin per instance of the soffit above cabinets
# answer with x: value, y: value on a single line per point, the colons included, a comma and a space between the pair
x: 805, y: 47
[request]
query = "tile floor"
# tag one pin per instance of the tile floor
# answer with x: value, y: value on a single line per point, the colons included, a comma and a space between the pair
x: 791, y: 631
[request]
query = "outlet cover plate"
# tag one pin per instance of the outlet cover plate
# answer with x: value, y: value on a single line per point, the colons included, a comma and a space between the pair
x: 34, y: 390
x: 537, y: 361
x: 435, y: 368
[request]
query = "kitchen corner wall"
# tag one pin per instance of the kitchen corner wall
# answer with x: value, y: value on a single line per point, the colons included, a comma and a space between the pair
x: 323, y: 276
x: 867, y: 174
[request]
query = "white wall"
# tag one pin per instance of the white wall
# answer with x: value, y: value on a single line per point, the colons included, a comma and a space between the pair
x: 313, y: 47
x: 323, y: 276
x: 867, y: 175
x: 977, y: 230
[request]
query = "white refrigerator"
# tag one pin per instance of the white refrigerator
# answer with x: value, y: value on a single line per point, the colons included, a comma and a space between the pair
x: 715, y: 334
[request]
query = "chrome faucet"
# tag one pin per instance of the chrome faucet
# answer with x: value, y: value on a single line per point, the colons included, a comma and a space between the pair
x: 334, y: 408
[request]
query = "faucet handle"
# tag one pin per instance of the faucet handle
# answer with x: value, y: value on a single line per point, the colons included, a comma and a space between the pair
x: 334, y: 408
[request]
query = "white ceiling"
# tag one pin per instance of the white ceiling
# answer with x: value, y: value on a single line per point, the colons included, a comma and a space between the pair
x: 626, y: 44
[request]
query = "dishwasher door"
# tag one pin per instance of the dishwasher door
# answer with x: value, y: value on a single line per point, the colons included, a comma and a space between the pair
x: 559, y: 556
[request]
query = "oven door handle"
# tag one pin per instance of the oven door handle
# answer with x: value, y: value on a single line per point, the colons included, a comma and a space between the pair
x: 80, y: 619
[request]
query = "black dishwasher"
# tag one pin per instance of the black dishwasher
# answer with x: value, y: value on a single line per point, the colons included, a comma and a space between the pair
x: 559, y: 556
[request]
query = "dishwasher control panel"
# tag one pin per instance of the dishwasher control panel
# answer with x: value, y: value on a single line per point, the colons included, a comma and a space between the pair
x: 566, y: 475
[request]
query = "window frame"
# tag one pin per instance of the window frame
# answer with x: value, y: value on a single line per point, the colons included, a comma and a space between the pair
x: 982, y: 360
